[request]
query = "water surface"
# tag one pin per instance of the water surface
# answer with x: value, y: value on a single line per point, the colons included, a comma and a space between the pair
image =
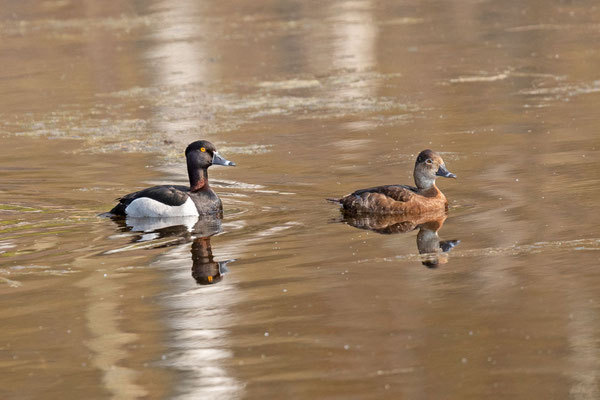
x: 311, y: 100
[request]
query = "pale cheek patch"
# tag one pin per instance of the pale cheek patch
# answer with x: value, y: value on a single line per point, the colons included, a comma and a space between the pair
x: 146, y: 207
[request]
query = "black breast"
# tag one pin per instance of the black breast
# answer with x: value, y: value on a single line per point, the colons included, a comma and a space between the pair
x: 207, y: 202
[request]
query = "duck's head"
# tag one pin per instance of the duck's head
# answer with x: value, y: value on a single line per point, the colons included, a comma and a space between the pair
x: 203, y: 154
x: 428, y: 168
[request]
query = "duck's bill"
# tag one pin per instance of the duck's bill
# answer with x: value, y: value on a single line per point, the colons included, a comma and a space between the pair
x: 447, y: 245
x: 218, y: 160
x: 444, y: 172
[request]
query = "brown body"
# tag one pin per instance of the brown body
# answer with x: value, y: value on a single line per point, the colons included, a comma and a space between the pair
x: 402, y: 199
x: 395, y: 199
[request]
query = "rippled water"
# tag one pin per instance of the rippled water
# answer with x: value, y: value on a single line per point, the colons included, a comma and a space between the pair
x: 283, y: 297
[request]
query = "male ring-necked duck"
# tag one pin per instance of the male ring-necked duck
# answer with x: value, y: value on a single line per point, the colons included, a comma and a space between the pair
x: 177, y: 200
x: 403, y: 199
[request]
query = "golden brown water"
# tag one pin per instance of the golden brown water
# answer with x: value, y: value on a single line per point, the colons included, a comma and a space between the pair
x: 312, y: 100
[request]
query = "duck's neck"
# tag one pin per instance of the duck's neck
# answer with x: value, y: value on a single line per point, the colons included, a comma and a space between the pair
x: 426, y: 186
x: 428, y: 241
x: 198, y: 179
x: 202, y: 252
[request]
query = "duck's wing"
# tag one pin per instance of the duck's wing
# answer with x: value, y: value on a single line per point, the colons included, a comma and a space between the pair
x: 395, y: 192
x: 378, y: 199
x: 171, y: 195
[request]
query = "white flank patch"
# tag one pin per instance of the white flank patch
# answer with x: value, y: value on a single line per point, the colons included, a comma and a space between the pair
x: 146, y: 207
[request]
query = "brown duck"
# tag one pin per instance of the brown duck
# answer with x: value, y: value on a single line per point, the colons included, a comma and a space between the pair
x: 403, y: 199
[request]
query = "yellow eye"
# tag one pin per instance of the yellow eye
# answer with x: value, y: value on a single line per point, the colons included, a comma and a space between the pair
x: 202, y: 149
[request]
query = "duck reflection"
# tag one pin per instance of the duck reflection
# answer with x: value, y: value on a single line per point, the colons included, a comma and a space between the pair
x: 181, y: 231
x: 205, y: 270
x: 432, y: 249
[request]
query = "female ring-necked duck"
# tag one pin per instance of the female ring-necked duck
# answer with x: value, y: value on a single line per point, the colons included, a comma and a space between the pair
x: 177, y: 200
x: 403, y: 199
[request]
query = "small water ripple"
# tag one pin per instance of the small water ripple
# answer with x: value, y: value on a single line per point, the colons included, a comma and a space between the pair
x: 514, y: 250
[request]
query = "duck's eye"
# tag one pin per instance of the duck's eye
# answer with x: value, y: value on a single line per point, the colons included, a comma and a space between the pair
x: 202, y: 149
x: 429, y: 161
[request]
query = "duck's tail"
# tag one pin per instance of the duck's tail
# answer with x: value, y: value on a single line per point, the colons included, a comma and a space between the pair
x: 337, y: 201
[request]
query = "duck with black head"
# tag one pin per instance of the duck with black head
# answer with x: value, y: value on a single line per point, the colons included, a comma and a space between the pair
x: 403, y: 199
x: 177, y: 200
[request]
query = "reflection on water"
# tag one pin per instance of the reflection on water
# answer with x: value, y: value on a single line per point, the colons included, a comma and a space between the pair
x: 433, y: 251
x: 98, y: 99
x: 178, y: 231
x: 199, y: 313
x: 205, y: 270
x: 198, y: 316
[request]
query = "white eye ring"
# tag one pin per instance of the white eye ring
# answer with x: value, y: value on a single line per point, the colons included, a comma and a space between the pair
x: 428, y: 161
